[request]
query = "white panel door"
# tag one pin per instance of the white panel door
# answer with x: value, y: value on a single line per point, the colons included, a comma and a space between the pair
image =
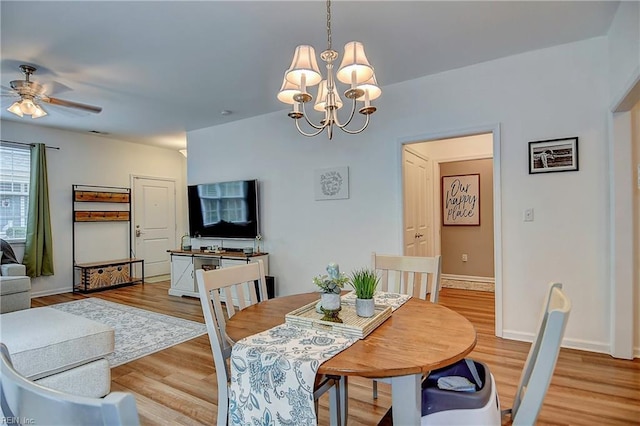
x: 154, y: 211
x: 418, y: 210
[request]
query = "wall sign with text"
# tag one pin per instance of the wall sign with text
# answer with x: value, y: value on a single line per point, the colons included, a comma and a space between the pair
x: 461, y: 200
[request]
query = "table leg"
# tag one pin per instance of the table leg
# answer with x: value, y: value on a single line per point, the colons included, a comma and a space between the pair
x: 338, y: 413
x: 344, y: 400
x: 406, y: 399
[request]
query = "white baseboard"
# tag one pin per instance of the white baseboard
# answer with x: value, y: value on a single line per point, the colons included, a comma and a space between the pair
x: 636, y: 352
x: 51, y: 292
x: 583, y: 345
x: 468, y: 278
x: 465, y: 282
x: 157, y: 279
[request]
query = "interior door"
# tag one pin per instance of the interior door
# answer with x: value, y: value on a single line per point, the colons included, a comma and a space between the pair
x: 418, y: 201
x: 154, y: 212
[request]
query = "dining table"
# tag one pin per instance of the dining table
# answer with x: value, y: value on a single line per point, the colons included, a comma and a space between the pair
x: 419, y: 337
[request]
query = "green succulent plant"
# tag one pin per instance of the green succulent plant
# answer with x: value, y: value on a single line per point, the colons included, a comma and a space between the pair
x: 364, y: 281
x: 331, y: 285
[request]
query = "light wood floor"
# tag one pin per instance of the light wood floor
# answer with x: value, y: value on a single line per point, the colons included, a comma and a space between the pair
x: 177, y: 386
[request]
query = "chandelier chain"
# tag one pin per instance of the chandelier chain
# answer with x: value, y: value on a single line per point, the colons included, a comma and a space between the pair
x: 329, y: 24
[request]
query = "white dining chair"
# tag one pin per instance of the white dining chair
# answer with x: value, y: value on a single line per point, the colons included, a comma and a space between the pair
x: 448, y: 407
x: 234, y: 286
x: 26, y: 402
x: 542, y: 358
x: 416, y: 276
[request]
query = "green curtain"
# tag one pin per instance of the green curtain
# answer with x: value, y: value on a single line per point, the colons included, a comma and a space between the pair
x: 38, y: 251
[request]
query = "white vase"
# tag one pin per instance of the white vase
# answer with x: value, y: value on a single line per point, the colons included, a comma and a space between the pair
x: 365, y: 307
x: 330, y: 301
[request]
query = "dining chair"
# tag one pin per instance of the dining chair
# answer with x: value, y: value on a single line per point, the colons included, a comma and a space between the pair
x: 542, y: 358
x: 235, y: 287
x: 413, y: 275
x: 448, y: 407
x: 26, y: 402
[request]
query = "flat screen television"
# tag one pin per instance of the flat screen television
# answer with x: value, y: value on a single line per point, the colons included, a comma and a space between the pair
x: 224, y: 209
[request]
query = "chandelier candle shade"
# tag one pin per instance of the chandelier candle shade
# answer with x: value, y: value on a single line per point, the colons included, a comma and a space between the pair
x: 354, y: 71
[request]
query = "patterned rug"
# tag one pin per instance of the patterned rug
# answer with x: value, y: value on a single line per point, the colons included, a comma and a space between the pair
x: 138, y: 332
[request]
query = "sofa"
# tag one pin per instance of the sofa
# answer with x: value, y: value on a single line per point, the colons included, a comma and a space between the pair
x: 55, y: 349
x: 60, y: 350
x: 15, y: 288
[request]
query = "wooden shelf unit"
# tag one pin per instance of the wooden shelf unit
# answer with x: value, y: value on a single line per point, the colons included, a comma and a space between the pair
x: 101, y: 275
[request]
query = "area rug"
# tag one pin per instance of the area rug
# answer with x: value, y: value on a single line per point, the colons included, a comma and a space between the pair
x: 138, y: 332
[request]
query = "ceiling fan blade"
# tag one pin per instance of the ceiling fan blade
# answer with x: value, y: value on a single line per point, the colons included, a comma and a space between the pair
x: 8, y: 90
x: 70, y: 104
x: 53, y: 88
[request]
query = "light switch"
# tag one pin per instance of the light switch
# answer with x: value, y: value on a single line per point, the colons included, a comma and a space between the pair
x: 528, y: 215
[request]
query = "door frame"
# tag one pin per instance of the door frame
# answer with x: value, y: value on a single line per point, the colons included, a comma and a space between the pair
x: 494, y: 129
x: 132, y: 178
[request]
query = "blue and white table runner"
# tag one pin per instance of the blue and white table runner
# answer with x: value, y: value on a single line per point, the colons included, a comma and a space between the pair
x: 273, y: 372
x: 395, y: 300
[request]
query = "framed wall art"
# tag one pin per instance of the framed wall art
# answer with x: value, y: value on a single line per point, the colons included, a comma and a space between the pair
x: 461, y: 200
x: 331, y: 184
x: 553, y: 155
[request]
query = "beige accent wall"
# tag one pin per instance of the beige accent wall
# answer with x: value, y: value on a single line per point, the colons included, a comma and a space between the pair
x: 474, y: 241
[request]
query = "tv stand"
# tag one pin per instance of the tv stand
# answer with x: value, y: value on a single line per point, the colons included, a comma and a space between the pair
x: 184, y: 263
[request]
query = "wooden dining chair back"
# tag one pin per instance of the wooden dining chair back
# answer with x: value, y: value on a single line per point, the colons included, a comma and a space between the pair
x: 26, y: 402
x: 223, y: 292
x: 542, y: 357
x: 413, y: 275
x: 237, y: 284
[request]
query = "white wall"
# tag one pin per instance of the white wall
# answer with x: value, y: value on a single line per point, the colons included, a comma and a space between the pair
x: 457, y: 148
x: 635, y: 137
x: 90, y: 160
x: 551, y: 93
x: 624, y: 81
x: 624, y: 49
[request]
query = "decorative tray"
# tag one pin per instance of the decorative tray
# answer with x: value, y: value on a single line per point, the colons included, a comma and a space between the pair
x: 352, y: 325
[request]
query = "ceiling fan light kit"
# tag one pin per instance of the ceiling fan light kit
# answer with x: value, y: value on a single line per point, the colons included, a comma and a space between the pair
x: 354, y: 71
x: 26, y: 106
x: 32, y: 93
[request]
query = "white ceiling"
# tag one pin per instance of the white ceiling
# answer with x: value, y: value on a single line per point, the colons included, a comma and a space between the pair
x: 160, y: 69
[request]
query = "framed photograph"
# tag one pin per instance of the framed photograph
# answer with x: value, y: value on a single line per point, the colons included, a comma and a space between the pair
x: 461, y: 200
x: 553, y: 155
x: 331, y: 184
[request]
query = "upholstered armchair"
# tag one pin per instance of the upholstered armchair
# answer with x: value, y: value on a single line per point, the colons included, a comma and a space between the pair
x: 15, y: 288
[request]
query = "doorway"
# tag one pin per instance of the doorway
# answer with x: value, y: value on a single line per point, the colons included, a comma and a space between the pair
x: 439, y: 151
x: 154, y: 223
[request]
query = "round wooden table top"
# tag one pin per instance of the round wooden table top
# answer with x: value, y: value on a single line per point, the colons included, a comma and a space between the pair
x: 419, y: 337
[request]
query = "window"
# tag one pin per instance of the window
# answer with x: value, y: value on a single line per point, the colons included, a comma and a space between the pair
x: 15, y: 167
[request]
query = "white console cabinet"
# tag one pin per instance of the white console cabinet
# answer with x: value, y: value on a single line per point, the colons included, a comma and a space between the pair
x: 185, y: 263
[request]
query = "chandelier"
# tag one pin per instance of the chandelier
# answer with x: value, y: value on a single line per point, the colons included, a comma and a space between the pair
x: 354, y: 71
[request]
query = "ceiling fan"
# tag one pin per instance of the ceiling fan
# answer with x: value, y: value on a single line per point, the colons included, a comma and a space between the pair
x: 32, y: 94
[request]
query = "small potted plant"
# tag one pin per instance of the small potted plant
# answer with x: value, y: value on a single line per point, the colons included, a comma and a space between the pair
x: 331, y: 284
x: 364, y: 281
